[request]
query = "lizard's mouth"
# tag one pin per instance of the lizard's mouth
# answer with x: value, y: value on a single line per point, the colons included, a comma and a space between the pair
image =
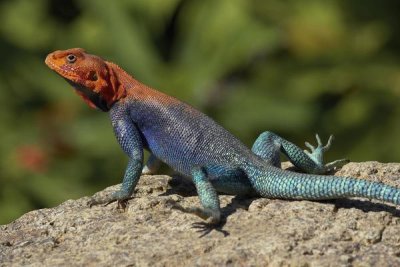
x: 90, y: 96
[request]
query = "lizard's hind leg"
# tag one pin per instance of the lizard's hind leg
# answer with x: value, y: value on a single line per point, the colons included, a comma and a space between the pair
x: 210, y: 179
x: 317, y: 154
x: 268, y: 145
x: 208, y: 198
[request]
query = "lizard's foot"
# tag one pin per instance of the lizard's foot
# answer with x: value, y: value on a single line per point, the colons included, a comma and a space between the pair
x: 121, y: 197
x: 213, y: 219
x: 210, y: 216
x: 316, y: 155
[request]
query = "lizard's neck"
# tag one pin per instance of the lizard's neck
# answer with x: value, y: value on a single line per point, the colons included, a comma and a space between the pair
x: 127, y: 86
x: 121, y: 80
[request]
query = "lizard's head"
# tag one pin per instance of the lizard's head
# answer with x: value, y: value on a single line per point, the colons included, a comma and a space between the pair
x: 93, y: 78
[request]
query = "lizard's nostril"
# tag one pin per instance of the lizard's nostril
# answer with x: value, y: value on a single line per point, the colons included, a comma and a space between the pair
x: 49, y: 58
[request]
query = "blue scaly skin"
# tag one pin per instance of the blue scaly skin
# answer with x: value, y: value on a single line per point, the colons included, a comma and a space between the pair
x: 193, y: 144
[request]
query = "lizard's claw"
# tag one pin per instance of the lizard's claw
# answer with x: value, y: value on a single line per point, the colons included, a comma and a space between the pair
x: 320, y: 146
x: 316, y: 154
x: 95, y: 201
x: 328, y: 144
x: 211, y: 217
x: 121, y: 197
x: 211, y: 223
x: 121, y: 203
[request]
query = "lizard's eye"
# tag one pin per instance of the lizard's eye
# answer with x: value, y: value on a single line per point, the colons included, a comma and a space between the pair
x: 93, y: 76
x: 71, y: 58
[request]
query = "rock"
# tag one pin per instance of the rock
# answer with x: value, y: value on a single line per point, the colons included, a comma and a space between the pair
x: 257, y: 231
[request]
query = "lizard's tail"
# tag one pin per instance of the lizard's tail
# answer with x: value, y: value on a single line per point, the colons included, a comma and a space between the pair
x: 276, y: 183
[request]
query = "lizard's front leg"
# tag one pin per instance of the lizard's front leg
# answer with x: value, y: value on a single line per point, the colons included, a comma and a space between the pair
x: 129, y: 138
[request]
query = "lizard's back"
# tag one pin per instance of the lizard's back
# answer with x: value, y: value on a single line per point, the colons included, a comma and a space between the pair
x: 181, y: 136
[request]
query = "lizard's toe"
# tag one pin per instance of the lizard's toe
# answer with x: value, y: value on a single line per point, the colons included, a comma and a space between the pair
x: 211, y: 216
x: 121, y: 197
x: 316, y: 154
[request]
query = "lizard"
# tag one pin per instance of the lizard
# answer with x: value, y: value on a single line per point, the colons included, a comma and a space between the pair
x: 196, y: 146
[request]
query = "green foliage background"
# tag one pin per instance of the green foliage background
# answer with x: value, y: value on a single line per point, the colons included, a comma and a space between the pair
x: 292, y: 67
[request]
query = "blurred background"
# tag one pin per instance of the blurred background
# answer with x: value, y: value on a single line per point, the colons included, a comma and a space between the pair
x: 292, y: 67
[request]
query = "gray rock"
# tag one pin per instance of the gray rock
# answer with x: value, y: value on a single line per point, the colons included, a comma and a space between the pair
x: 257, y: 232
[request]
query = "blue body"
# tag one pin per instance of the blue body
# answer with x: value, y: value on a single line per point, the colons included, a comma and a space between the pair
x: 184, y: 138
x: 195, y: 145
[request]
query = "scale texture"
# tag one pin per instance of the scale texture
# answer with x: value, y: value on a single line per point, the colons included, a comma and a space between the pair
x: 196, y: 146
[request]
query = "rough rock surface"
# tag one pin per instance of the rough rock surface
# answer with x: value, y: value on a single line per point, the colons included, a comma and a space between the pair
x: 257, y: 232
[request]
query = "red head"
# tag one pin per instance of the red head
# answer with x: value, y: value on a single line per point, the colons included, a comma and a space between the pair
x: 94, y: 79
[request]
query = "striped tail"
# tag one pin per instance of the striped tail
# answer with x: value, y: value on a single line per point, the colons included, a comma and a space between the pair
x: 277, y: 183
